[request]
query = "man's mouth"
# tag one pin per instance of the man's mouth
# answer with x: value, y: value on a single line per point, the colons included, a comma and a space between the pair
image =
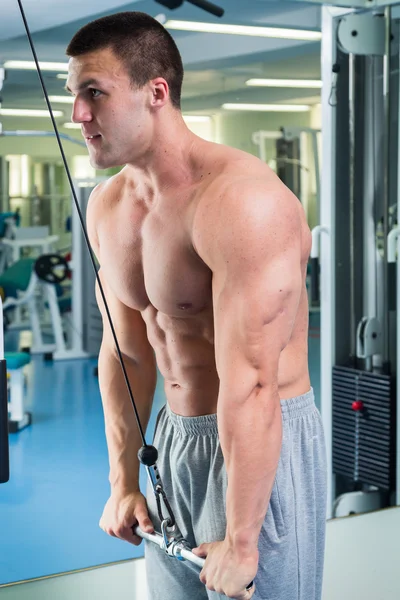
x: 92, y: 139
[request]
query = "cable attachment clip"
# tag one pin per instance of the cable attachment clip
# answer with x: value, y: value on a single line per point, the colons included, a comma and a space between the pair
x: 172, y: 542
x: 148, y: 457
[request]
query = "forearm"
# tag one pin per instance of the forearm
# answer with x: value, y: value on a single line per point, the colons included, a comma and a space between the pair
x: 122, y: 433
x: 251, y: 437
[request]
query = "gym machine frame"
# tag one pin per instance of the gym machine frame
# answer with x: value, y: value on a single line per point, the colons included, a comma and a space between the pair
x: 359, y: 353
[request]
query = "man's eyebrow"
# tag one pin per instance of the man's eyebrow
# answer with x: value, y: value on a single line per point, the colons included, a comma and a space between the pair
x: 85, y: 84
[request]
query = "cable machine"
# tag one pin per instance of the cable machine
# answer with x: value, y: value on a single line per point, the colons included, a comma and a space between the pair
x: 358, y: 214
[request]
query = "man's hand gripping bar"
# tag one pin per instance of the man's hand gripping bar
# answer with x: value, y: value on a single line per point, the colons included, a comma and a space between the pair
x: 175, y: 548
x: 171, y: 539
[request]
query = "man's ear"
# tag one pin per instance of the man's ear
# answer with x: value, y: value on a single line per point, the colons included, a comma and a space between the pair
x: 160, y: 92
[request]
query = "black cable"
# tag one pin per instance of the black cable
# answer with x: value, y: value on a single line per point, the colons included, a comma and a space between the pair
x: 92, y: 258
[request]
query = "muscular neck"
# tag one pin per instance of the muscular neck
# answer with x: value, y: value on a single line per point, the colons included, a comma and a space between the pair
x: 169, y: 161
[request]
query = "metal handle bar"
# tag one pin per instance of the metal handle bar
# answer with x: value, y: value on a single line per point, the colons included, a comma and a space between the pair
x: 177, y: 549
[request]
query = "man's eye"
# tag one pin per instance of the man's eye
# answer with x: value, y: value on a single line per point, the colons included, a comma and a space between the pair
x: 94, y: 93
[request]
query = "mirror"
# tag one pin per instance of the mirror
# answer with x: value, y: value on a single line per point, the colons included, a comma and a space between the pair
x: 242, y: 91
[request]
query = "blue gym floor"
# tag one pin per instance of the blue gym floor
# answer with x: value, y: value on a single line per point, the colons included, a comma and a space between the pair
x: 50, y: 509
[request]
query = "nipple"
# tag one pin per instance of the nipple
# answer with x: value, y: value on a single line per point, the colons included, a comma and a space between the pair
x: 185, y: 305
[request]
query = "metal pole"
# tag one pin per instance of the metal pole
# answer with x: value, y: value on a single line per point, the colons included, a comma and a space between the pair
x: 4, y: 191
x: 178, y: 550
x: 386, y: 183
x: 397, y: 256
x: 328, y: 241
x: 352, y: 143
x: 314, y: 140
x: 208, y: 7
x: 369, y: 237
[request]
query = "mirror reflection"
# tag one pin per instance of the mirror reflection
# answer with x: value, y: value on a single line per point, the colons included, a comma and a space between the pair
x: 244, y: 234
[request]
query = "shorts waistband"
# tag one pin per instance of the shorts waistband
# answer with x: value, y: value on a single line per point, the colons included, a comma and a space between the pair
x: 207, y: 424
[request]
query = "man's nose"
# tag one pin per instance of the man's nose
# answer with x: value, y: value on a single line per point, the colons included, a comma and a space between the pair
x: 81, y: 112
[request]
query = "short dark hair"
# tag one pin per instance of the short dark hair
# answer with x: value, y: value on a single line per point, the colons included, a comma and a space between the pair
x: 143, y: 45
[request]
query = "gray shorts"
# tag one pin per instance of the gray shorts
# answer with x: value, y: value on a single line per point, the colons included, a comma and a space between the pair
x: 292, y: 538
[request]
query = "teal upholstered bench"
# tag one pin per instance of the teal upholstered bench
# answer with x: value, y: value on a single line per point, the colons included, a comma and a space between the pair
x: 17, y: 417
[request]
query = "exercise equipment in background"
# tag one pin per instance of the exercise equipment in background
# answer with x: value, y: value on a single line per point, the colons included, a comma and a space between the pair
x: 360, y: 348
x: 26, y: 242
x: 44, y: 300
x: 82, y: 322
x: 18, y: 418
x: 52, y: 268
x: 35, y: 239
x: 9, y: 221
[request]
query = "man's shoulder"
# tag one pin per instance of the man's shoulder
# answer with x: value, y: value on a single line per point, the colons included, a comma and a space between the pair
x: 245, y: 196
x: 240, y: 178
x: 102, y: 198
x: 109, y: 186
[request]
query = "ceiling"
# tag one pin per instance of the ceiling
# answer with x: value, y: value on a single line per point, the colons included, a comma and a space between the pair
x: 216, y: 66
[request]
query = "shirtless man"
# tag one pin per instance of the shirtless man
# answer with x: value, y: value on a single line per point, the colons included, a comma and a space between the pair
x: 203, y: 254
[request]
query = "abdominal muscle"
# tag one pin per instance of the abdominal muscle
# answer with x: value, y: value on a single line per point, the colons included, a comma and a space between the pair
x: 195, y: 391
x: 185, y: 355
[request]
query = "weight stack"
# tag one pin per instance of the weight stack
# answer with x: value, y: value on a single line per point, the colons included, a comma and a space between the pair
x: 364, y: 427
